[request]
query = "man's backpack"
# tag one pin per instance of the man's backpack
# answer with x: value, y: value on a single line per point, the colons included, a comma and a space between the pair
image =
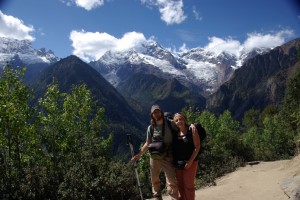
x: 201, y: 132
x: 202, y: 135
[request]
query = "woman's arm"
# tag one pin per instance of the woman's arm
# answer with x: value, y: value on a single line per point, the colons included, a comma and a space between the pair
x: 196, y: 140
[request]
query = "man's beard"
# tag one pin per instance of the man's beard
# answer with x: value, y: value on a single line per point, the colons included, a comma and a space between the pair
x: 158, y: 118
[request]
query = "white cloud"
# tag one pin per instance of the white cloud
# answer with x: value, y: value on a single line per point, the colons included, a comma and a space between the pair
x: 86, y: 4
x: 171, y: 10
x: 257, y: 40
x: 11, y: 27
x: 254, y: 40
x: 219, y: 45
x: 91, y: 46
x: 89, y: 4
x: 196, y: 14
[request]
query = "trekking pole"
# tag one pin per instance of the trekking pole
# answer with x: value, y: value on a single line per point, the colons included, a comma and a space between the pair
x: 129, y: 142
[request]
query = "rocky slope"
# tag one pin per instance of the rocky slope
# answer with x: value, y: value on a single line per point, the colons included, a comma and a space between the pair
x: 261, y: 81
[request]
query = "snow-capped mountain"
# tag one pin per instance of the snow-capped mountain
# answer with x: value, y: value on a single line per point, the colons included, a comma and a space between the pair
x: 203, y: 69
x: 198, y: 68
x: 12, y: 49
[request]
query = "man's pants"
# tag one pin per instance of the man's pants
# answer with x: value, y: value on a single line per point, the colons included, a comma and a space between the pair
x: 166, y: 165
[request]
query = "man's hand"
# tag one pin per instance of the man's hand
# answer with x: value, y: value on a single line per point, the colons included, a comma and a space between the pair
x: 135, y: 158
x: 193, y: 128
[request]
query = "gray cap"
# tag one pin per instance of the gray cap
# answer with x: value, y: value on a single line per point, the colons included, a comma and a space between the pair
x: 155, y: 107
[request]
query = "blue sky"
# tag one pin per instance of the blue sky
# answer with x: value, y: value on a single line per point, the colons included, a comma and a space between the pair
x: 89, y: 28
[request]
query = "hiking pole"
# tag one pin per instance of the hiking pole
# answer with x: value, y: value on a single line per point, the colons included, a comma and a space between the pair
x: 129, y: 142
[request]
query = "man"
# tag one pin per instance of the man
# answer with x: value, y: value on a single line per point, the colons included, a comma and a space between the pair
x: 159, y: 128
x: 158, y: 162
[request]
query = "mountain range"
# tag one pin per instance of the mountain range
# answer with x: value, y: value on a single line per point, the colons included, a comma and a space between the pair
x: 20, y: 53
x: 203, y: 71
x: 127, y: 83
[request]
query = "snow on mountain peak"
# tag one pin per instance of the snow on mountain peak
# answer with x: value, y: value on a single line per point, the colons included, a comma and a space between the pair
x: 198, y: 66
x: 23, y: 48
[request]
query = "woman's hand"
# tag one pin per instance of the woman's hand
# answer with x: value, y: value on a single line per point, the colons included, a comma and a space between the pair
x: 188, y: 164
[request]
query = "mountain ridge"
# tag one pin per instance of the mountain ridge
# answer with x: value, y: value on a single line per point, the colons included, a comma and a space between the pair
x: 23, y: 48
x: 203, y: 71
x: 261, y: 81
x: 20, y: 53
x: 198, y: 68
x: 142, y: 90
x: 73, y: 71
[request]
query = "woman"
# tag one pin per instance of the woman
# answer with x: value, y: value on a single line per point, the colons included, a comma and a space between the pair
x: 186, y: 146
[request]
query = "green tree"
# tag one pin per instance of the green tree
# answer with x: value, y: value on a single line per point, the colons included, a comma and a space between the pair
x: 252, y: 136
x: 291, y: 108
x: 53, y: 136
x: 228, y: 133
x: 278, y: 142
x: 144, y: 174
x: 70, y: 130
x: 83, y: 167
x: 252, y: 118
x: 252, y: 139
x: 226, y: 148
x: 17, y: 138
x: 208, y: 167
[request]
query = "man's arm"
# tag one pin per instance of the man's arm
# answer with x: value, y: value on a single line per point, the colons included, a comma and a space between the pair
x: 193, y: 128
x: 142, y: 151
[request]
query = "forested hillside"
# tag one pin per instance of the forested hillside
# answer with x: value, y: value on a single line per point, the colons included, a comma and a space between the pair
x: 56, y: 149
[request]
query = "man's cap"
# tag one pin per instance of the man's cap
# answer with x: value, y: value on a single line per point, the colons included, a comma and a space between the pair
x: 155, y: 107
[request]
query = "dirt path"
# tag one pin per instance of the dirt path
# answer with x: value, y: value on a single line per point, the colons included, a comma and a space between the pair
x: 279, y: 180
x: 264, y: 181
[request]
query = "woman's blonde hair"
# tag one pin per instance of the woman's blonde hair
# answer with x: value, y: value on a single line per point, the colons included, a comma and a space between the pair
x: 179, y: 114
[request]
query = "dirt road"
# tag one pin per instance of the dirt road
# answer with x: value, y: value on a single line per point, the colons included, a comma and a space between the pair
x: 279, y: 180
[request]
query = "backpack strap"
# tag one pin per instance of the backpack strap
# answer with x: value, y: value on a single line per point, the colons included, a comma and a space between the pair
x: 174, y: 130
x: 151, y: 130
